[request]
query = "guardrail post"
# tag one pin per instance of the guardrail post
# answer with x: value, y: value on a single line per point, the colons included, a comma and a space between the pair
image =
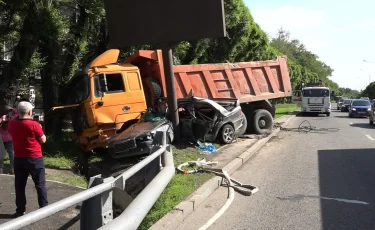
x: 97, y: 211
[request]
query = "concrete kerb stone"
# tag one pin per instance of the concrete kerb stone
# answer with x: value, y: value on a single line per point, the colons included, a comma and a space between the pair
x: 172, y: 219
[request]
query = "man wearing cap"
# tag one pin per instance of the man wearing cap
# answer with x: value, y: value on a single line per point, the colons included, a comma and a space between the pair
x: 28, y: 137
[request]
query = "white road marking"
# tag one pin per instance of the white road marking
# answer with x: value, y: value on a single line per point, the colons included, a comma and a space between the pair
x: 369, y: 137
x: 350, y: 123
x: 301, y: 197
x: 344, y: 200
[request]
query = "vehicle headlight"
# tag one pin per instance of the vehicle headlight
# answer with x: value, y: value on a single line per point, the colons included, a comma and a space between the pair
x: 368, y: 109
x: 146, y: 137
x: 353, y: 109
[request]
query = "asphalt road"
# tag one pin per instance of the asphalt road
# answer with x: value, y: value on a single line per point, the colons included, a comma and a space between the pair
x: 319, y: 180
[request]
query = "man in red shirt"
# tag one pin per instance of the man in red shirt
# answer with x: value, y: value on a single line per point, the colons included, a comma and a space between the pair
x: 28, y: 137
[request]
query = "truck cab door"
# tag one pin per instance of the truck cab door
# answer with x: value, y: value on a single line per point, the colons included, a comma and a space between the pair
x: 297, y: 97
x: 118, y: 97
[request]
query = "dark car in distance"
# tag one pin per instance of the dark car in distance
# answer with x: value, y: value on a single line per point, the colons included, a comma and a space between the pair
x: 345, y: 105
x: 371, y: 116
x: 360, y: 108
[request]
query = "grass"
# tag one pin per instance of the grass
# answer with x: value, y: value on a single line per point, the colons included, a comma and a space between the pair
x: 283, y: 109
x: 179, y: 188
x: 58, y: 159
x: 74, y: 180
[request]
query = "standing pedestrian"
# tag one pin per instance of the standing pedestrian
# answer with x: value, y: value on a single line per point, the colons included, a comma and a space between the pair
x: 28, y: 137
x: 7, y: 141
x: 2, y: 155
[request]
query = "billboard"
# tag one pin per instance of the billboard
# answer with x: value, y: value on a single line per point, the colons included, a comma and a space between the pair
x: 164, y: 21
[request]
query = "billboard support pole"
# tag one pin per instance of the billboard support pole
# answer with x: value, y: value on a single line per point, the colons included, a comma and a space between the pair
x: 171, y: 89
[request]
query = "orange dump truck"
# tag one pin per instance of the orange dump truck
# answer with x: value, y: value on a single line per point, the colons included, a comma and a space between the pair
x: 107, y: 97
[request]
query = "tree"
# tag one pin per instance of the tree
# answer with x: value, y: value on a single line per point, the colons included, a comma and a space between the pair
x: 304, y: 66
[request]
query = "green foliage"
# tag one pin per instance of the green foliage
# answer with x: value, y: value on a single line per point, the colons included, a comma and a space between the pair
x: 246, y: 40
x: 304, y: 66
x: 369, y: 91
x: 284, y: 109
x: 349, y: 93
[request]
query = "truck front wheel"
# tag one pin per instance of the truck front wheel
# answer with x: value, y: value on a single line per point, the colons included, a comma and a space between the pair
x: 262, y: 121
x: 152, y: 90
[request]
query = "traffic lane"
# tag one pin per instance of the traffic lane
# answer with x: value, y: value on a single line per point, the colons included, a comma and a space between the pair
x: 361, y: 123
x: 298, y: 176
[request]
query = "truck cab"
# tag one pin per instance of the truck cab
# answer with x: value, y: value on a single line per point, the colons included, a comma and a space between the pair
x: 316, y: 100
x: 104, y: 98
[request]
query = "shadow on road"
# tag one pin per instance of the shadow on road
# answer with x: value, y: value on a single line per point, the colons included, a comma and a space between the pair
x: 347, y: 187
x: 362, y: 125
x: 6, y: 216
x: 342, y: 116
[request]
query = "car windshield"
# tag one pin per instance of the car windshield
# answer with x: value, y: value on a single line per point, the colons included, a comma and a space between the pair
x: 316, y: 93
x: 347, y: 102
x: 361, y: 103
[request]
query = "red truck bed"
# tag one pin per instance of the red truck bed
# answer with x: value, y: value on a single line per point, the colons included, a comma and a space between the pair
x: 246, y: 81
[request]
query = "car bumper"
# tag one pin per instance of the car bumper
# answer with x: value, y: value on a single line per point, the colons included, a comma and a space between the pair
x: 359, y: 114
x: 316, y: 110
x: 140, y: 148
x: 344, y: 109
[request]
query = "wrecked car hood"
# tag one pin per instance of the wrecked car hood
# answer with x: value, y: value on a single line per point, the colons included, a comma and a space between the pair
x: 138, y: 129
x: 196, y: 100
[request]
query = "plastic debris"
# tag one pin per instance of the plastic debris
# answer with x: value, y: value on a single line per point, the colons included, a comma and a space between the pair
x: 206, y: 148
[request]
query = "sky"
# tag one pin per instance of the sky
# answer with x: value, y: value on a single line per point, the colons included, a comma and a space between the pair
x: 341, y: 34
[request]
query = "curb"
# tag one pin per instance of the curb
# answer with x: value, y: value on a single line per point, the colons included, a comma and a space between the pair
x: 174, y: 218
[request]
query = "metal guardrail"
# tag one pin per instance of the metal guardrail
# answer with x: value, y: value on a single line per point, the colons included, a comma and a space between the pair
x: 96, y: 210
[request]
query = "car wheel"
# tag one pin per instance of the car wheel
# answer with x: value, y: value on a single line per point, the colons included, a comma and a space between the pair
x: 262, y: 121
x: 243, y: 128
x: 226, y: 135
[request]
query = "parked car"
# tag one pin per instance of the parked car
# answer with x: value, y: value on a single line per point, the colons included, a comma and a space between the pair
x: 372, y: 113
x: 208, y: 120
x: 359, y: 108
x: 345, y: 105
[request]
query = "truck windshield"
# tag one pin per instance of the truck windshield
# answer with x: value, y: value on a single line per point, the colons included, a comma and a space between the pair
x: 361, y: 103
x: 315, y: 92
x: 78, y: 89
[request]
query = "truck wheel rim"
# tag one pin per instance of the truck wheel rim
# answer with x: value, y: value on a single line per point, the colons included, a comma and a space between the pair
x: 228, y: 134
x: 262, y: 123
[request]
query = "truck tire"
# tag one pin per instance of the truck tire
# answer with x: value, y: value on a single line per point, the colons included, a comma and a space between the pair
x: 262, y: 121
x: 226, y: 134
x: 243, y: 129
x: 152, y: 90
